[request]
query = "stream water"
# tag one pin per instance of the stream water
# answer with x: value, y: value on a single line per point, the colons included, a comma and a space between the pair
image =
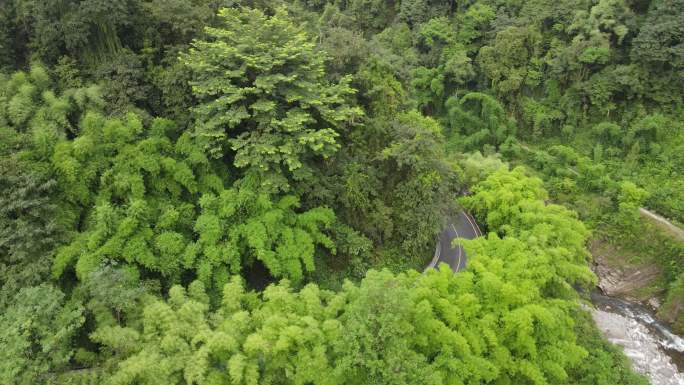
x: 651, y: 346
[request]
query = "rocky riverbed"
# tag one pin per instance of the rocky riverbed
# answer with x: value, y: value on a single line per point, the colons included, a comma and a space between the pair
x: 625, y: 312
x: 651, y: 346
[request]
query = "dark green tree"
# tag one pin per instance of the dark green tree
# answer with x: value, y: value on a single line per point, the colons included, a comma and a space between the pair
x: 36, y: 334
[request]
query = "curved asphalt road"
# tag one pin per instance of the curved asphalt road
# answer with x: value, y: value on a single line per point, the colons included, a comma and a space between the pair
x: 461, y: 226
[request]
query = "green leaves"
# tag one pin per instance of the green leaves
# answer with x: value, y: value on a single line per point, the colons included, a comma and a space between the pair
x: 267, y: 149
x: 160, y: 206
x: 36, y: 332
x: 280, y: 338
x: 507, y: 63
x: 480, y: 118
x: 37, y: 114
x: 660, y: 38
x: 513, y: 205
x: 263, y: 96
x: 476, y: 327
x: 241, y: 222
x: 445, y: 67
x: 30, y: 227
x: 507, y: 318
x: 134, y: 177
x: 629, y: 200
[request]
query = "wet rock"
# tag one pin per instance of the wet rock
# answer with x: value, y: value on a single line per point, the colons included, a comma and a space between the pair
x: 654, y: 303
x: 640, y: 345
x: 624, y: 280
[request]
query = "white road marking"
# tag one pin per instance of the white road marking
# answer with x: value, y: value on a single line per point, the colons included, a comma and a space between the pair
x: 438, y: 250
x: 458, y: 265
x: 476, y: 228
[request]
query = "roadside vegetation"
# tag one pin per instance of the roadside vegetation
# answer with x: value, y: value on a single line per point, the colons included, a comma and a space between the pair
x: 247, y: 192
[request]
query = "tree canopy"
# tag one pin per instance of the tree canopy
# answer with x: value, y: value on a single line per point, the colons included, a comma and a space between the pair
x: 244, y: 192
x: 263, y: 96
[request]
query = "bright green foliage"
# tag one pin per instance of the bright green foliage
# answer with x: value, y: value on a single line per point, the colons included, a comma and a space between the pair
x: 513, y: 205
x: 160, y: 206
x: 243, y: 223
x: 141, y: 184
x: 498, y: 198
x: 503, y: 320
x: 473, y: 22
x: 629, y: 200
x: 263, y: 97
x: 29, y: 105
x: 481, y: 326
x: 282, y: 338
x: 442, y: 328
x: 497, y: 322
x: 477, y: 167
x: 35, y: 333
x: 33, y: 220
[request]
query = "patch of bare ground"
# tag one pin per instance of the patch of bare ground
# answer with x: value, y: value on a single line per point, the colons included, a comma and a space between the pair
x: 622, y: 275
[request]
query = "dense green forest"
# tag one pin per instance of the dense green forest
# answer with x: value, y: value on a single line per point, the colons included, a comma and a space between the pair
x: 246, y: 192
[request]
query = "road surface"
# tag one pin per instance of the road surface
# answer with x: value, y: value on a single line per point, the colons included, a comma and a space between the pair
x: 461, y: 226
x: 668, y: 225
